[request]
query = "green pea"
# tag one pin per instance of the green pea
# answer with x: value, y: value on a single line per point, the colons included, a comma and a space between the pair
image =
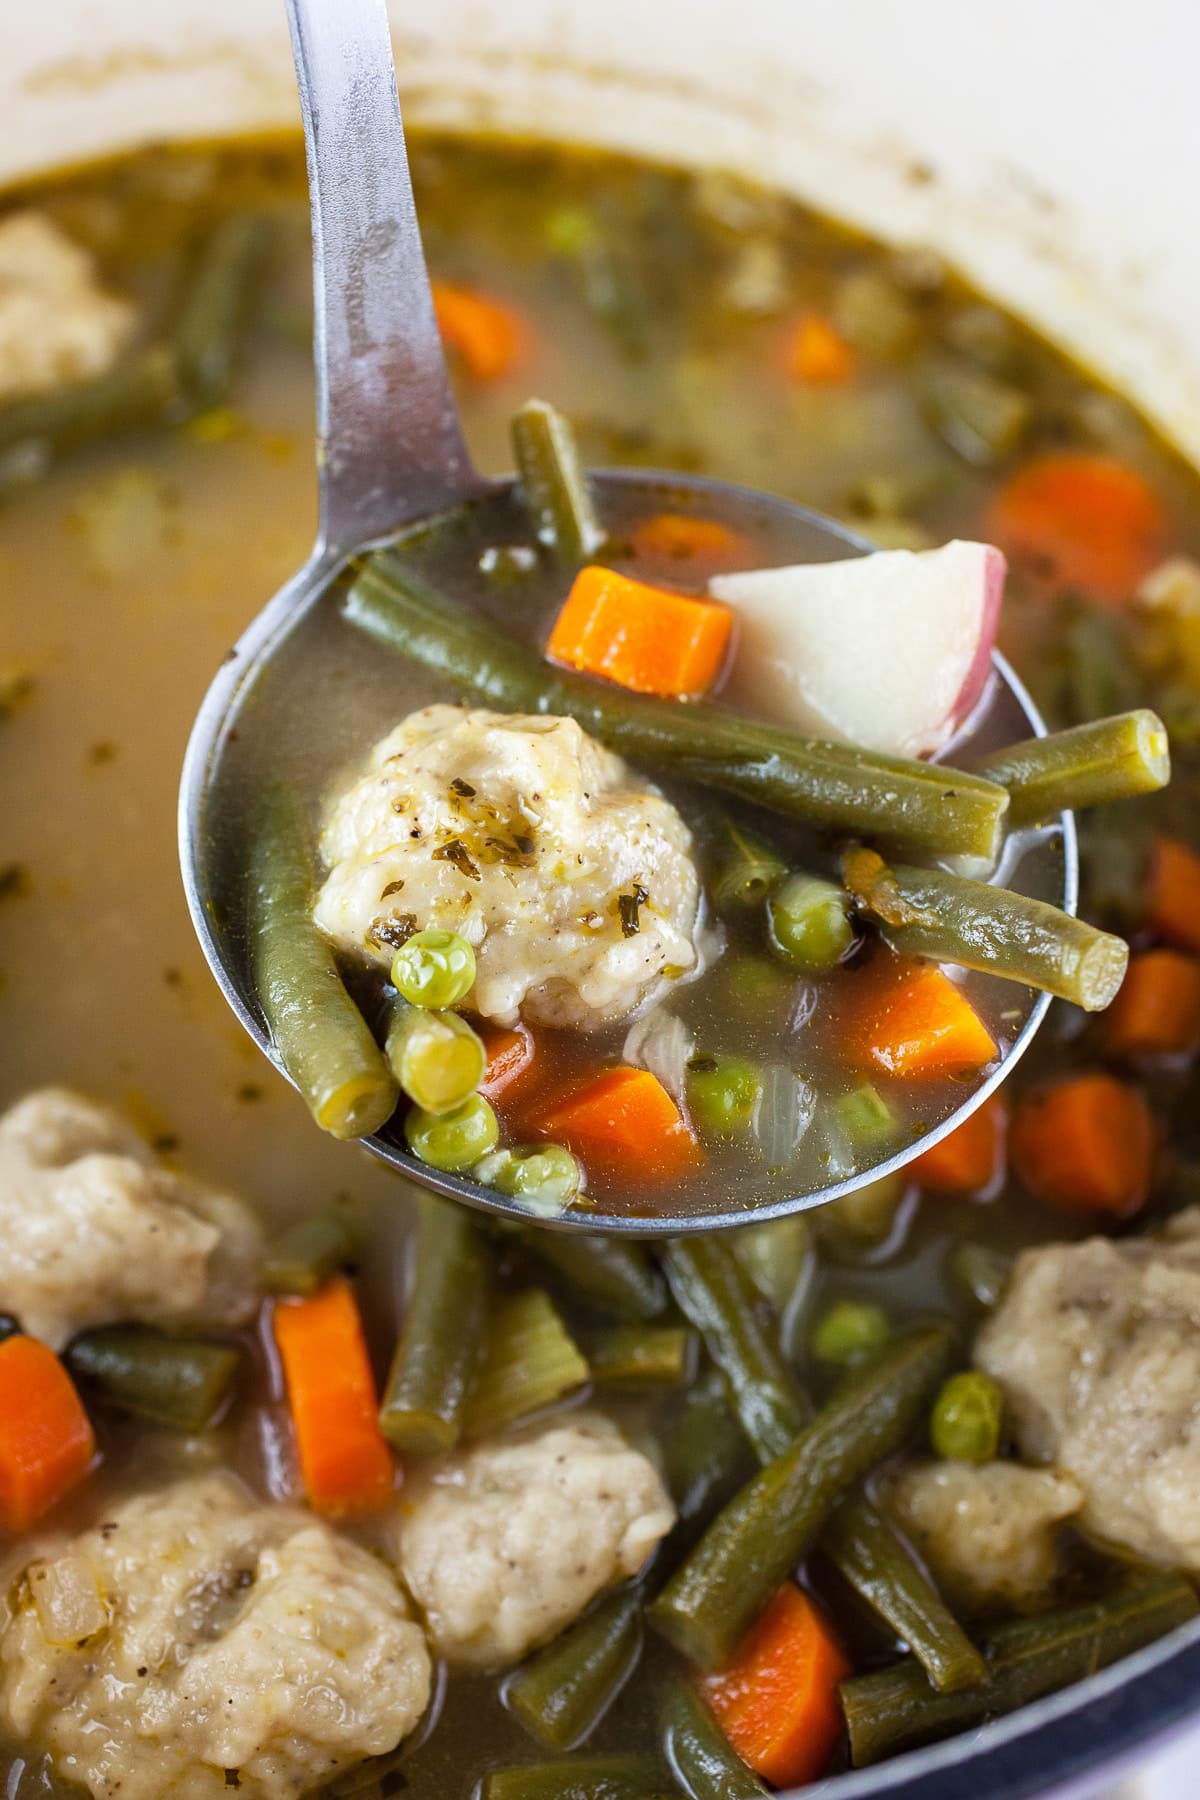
x: 453, y: 1141
x: 807, y: 924
x: 849, y: 1331
x: 544, y: 1177
x: 722, y: 1092
x: 865, y: 1117
x: 434, y: 968
x: 965, y: 1422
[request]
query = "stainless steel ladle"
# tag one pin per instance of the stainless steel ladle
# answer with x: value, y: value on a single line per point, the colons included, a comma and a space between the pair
x: 390, y: 451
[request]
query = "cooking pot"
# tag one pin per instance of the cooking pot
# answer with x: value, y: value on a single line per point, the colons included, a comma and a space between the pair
x: 1048, y: 147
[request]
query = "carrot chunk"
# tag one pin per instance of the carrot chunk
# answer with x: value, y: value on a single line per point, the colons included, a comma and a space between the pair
x: 777, y: 1700
x: 1081, y: 520
x: 681, y: 538
x: 970, y: 1159
x: 917, y: 1022
x: 510, y: 1056
x: 485, y: 333
x: 645, y: 638
x: 46, y: 1441
x: 1157, y: 1008
x: 624, y: 1123
x: 346, y: 1464
x: 1085, y: 1145
x: 818, y: 354
x: 1173, y: 893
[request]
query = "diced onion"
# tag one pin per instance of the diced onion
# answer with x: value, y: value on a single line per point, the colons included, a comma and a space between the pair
x: 67, y: 1598
x: 661, y: 1043
x: 783, y: 1114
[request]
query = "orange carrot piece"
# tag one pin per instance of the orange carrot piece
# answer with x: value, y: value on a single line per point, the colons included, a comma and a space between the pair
x: 679, y: 537
x: 622, y: 1122
x: 485, y: 333
x: 818, y: 354
x: 46, y: 1441
x: 1085, y: 1145
x: 642, y: 637
x: 1157, y: 1008
x: 1173, y: 893
x: 346, y: 1464
x: 918, y: 1022
x: 777, y: 1701
x: 510, y: 1059
x: 970, y: 1160
x: 1081, y: 520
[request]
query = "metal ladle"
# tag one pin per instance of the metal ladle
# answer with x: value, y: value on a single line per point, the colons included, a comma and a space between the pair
x: 390, y: 452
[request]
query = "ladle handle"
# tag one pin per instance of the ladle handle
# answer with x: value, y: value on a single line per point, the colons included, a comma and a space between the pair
x: 390, y: 445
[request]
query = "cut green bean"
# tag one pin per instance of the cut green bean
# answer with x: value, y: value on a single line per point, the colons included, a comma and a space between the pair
x: 634, y: 1357
x: 452, y: 1141
x: 1111, y: 759
x: 871, y: 1557
x: 140, y: 391
x: 580, y: 1778
x: 722, y: 1092
x: 435, y: 1056
x: 214, y: 313
x: 442, y: 1334
x: 965, y: 1421
x: 181, y: 1382
x: 618, y: 1278
x: 808, y: 925
x: 708, y: 1765
x: 980, y: 1271
x: 896, y: 1708
x: 434, y: 968
x: 545, y: 1178
x: 747, y: 868
x: 927, y: 912
x: 715, y: 1296
x: 529, y: 1361
x: 563, y: 1691
x: 554, y: 486
x: 867, y: 1214
x: 706, y: 1452
x: 866, y: 1118
x: 848, y: 1332
x: 776, y: 1256
x: 756, y: 1542
x: 309, y: 1252
x: 317, y: 1032
x: 982, y: 418
x: 834, y: 786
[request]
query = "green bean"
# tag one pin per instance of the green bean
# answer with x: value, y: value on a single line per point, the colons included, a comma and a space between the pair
x: 807, y: 924
x: 927, y: 912
x: 442, y: 1334
x: 714, y: 1295
x: 848, y: 1332
x: 434, y: 968
x: 868, y: 1213
x: 435, y: 1056
x: 722, y: 1092
x: 626, y: 1777
x: 980, y: 1271
x: 866, y: 1118
x: 453, y: 1141
x: 878, y: 1566
x: 554, y: 486
x: 755, y: 1543
x: 529, y: 1361
x: 706, y: 1452
x: 898, y: 1707
x: 308, y: 1252
x: 317, y: 1031
x: 617, y: 1277
x: 641, y: 1356
x: 834, y: 786
x: 748, y: 868
x: 708, y: 1765
x: 214, y: 312
x: 563, y: 1691
x: 139, y: 391
x: 180, y: 1382
x: 964, y: 1424
x: 1089, y: 765
x: 545, y: 1178
x: 776, y: 1256
x: 981, y: 418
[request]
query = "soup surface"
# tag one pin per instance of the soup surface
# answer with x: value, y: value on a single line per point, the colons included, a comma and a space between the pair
x: 682, y: 322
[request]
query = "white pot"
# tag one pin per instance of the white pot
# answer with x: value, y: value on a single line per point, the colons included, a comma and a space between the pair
x: 1049, y: 147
